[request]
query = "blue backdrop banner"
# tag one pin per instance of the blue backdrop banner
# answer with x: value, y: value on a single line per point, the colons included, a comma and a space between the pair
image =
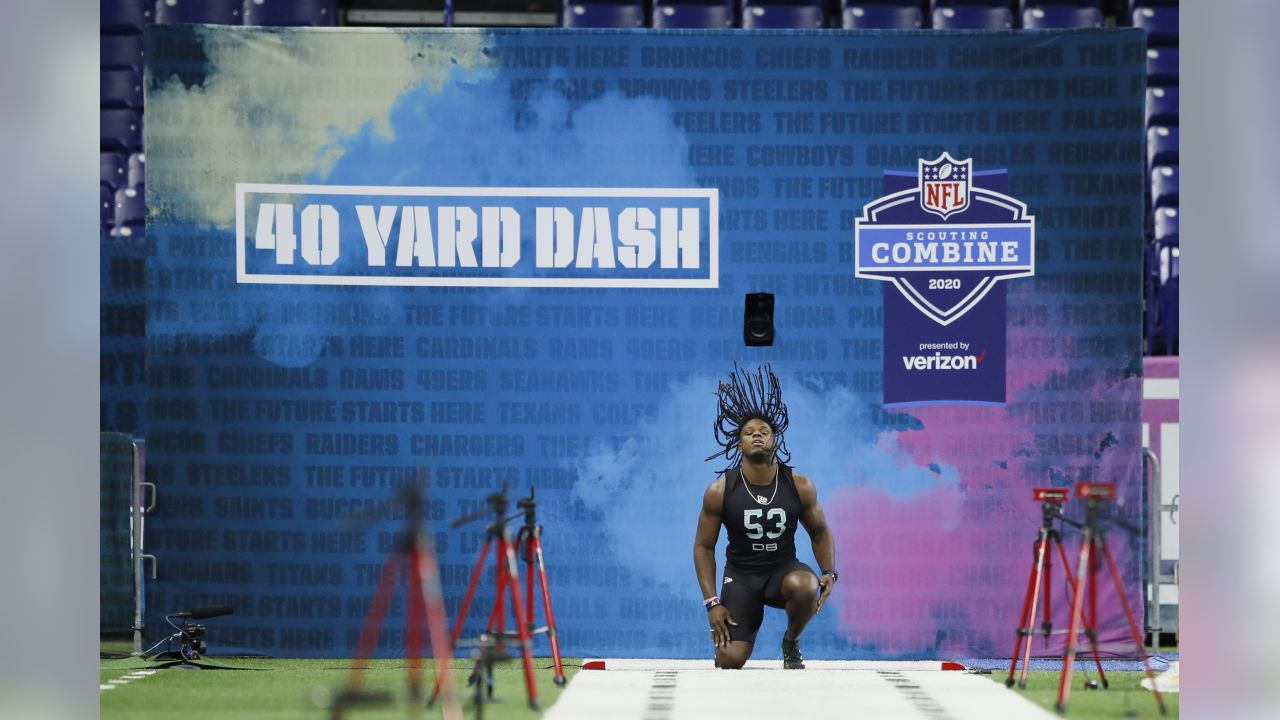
x: 487, y: 257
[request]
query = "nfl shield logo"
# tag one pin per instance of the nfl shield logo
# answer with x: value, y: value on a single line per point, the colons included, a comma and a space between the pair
x: 944, y: 185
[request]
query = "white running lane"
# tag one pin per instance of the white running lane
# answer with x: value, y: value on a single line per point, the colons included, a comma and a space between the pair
x: 693, y: 690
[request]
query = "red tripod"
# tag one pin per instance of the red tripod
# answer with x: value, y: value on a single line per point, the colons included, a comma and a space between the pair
x: 424, y: 603
x: 1051, y: 500
x: 529, y: 540
x: 507, y: 580
x: 1093, y: 552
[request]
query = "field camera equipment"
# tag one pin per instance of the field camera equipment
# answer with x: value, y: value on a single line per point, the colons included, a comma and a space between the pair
x: 414, y: 552
x: 506, y: 581
x: 1040, y: 582
x: 1093, y: 554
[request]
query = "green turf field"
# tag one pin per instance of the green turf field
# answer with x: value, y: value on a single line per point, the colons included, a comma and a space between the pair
x: 282, y: 689
x: 278, y: 689
x: 1125, y: 698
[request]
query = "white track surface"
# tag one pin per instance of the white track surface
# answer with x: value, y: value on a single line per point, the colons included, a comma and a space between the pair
x: 694, y: 690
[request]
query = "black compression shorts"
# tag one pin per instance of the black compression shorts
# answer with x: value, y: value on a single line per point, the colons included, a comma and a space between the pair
x: 744, y: 595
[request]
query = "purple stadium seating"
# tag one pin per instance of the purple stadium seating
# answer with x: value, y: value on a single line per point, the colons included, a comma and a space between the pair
x: 1162, y: 66
x: 137, y: 169
x: 316, y: 13
x: 1023, y: 5
x: 1164, y: 186
x: 1129, y: 5
x: 603, y: 15
x: 1167, y: 263
x: 125, y: 16
x: 120, y: 89
x: 1055, y: 16
x: 965, y: 17
x: 872, y: 15
x: 1161, y: 24
x: 211, y: 12
x: 936, y: 4
x: 684, y: 15
x: 112, y: 172
x: 1162, y: 146
x: 131, y: 207
x: 1166, y: 224
x: 765, y: 17
x: 107, y: 208
x: 120, y: 130
x: 121, y: 52
x: 1162, y: 106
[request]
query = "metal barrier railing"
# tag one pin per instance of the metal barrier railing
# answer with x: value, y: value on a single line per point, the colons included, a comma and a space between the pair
x: 138, y: 509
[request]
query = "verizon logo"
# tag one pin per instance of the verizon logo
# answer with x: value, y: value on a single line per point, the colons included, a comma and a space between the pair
x: 938, y: 361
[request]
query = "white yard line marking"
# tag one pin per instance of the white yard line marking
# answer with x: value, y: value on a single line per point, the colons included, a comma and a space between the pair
x: 126, y: 679
x: 693, y: 690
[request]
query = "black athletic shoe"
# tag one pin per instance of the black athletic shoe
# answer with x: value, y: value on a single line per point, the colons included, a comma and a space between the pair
x: 792, y: 659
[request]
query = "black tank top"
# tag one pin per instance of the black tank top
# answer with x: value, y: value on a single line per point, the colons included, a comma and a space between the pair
x: 761, y: 533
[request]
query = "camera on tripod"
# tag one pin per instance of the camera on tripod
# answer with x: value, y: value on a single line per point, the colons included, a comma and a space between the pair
x: 1051, y: 495
x: 193, y: 644
x: 1096, y: 491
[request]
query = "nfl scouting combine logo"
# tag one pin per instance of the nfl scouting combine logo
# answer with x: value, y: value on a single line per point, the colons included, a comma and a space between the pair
x: 944, y: 237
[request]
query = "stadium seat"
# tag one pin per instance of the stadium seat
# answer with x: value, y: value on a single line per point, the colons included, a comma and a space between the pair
x: 965, y: 17
x: 211, y: 12
x: 1054, y: 16
x: 120, y: 130
x: 112, y: 172
x: 1162, y: 66
x: 137, y: 169
x: 684, y: 15
x: 1162, y: 146
x: 1167, y: 271
x: 120, y: 89
x: 1024, y: 5
x: 1162, y: 106
x: 125, y: 16
x: 603, y: 15
x: 131, y: 207
x: 107, y: 206
x: 121, y: 52
x: 877, y: 16
x: 1130, y: 5
x: 295, y: 13
x: 1161, y: 24
x: 766, y: 17
x: 1166, y: 222
x: 1164, y: 186
x: 936, y: 4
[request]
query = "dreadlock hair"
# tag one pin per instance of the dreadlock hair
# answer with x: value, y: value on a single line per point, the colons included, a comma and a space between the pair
x: 747, y: 396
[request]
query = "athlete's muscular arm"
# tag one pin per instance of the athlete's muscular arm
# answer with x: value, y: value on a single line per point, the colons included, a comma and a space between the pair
x: 815, y: 523
x: 704, y: 559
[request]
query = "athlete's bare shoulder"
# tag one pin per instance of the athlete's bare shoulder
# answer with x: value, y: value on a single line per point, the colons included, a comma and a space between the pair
x: 805, y: 488
x: 713, y: 498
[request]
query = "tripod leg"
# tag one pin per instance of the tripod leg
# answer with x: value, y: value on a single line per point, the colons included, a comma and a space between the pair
x: 1086, y: 619
x: 413, y: 624
x: 1133, y: 625
x: 546, y: 606
x: 1073, y: 626
x: 373, y: 622
x: 529, y: 545
x: 1091, y: 622
x: 1042, y: 572
x: 462, y: 611
x: 1024, y: 627
x: 526, y: 646
x: 500, y: 571
x: 431, y: 604
x: 493, y: 625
